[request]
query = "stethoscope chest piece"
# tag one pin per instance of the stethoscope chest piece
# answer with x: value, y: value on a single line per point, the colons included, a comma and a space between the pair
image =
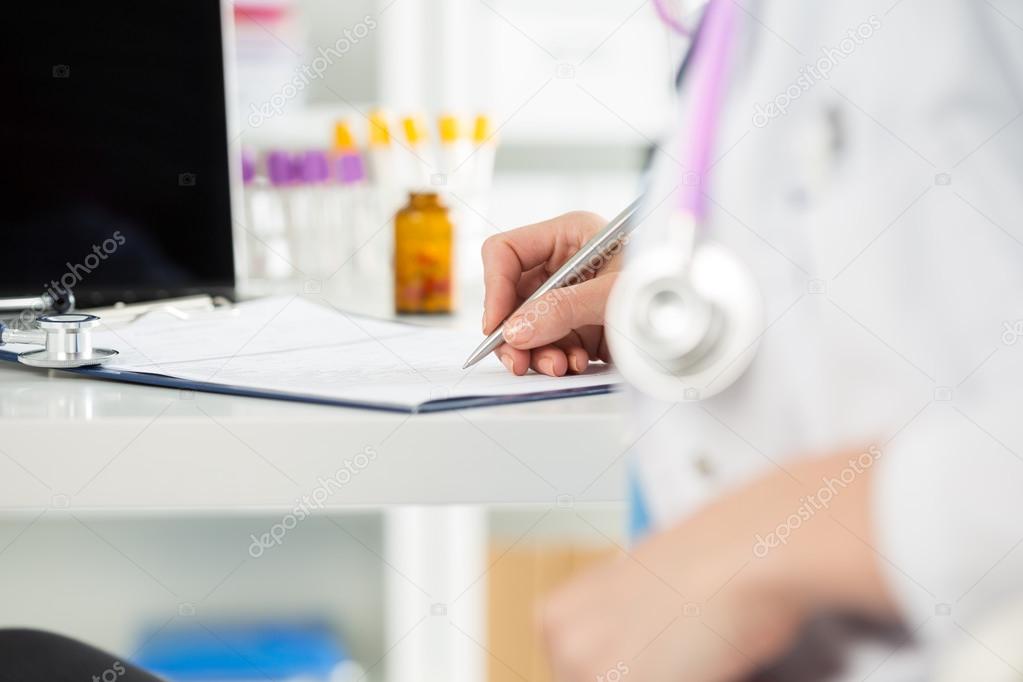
x: 685, y: 330
x: 66, y: 341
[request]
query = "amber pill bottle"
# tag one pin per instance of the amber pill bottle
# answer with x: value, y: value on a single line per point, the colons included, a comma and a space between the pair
x: 424, y: 256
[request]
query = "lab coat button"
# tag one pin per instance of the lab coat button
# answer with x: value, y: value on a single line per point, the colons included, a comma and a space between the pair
x: 704, y: 466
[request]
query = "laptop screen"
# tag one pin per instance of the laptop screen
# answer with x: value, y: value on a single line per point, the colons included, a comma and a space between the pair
x: 114, y: 145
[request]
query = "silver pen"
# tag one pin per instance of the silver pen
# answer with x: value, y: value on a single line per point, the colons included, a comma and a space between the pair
x: 599, y: 247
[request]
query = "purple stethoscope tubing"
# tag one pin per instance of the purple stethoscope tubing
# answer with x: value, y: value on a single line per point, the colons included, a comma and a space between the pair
x: 710, y: 75
x: 669, y: 19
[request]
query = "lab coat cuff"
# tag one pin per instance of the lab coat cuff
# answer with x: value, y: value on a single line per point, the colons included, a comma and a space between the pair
x: 948, y: 522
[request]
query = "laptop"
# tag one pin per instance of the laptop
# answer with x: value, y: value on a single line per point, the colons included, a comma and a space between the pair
x: 115, y: 148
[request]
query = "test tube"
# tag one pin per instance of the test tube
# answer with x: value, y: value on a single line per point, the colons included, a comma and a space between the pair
x: 244, y: 228
x: 365, y: 249
x: 278, y: 224
x: 381, y: 155
x: 418, y: 157
x: 473, y: 229
x: 347, y: 170
x: 312, y: 214
x: 484, y: 140
x: 453, y: 151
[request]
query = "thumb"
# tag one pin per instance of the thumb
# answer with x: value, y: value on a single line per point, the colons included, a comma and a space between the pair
x: 558, y: 312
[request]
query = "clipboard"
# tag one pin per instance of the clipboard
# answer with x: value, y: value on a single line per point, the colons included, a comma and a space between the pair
x: 298, y: 350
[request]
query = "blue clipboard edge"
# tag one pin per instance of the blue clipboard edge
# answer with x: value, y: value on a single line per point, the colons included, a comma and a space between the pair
x: 430, y: 406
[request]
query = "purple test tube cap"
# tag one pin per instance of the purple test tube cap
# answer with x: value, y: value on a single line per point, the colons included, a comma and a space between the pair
x: 350, y: 168
x: 313, y: 166
x: 279, y: 168
x: 248, y: 166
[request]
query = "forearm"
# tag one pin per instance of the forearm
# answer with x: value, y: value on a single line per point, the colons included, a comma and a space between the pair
x: 807, y: 532
x: 830, y: 561
x: 769, y: 555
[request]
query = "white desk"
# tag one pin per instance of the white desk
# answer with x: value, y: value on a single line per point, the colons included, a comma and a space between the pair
x: 98, y: 445
x: 88, y: 447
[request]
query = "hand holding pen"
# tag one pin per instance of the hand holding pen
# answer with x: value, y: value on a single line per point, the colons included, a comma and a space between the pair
x: 572, y: 260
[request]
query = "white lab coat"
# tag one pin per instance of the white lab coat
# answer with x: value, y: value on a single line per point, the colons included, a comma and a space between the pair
x: 881, y: 215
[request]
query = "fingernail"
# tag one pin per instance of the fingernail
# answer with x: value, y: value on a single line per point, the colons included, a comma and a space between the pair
x: 546, y: 366
x: 576, y: 364
x: 508, y: 363
x: 483, y: 324
x: 517, y: 331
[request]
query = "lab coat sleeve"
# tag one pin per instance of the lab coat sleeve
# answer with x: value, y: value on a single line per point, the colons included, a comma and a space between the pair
x: 948, y: 518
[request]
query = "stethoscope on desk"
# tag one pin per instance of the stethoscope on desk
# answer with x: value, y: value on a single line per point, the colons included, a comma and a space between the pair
x: 65, y: 336
x: 685, y: 315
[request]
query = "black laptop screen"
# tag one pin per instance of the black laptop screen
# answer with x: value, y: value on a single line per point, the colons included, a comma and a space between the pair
x: 114, y: 148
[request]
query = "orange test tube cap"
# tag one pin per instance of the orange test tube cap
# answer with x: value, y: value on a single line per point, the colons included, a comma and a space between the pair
x: 450, y: 128
x: 379, y: 129
x: 343, y: 138
x: 415, y: 131
x: 483, y: 129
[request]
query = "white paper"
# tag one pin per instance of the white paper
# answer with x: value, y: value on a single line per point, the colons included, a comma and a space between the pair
x: 293, y: 346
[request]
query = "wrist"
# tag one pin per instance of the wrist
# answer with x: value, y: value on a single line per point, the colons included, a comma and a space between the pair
x: 753, y: 604
x: 813, y: 547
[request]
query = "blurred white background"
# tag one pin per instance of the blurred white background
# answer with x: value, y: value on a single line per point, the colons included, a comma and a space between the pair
x: 579, y: 90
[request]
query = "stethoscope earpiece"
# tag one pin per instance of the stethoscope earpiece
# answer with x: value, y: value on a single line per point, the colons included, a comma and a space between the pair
x: 684, y: 329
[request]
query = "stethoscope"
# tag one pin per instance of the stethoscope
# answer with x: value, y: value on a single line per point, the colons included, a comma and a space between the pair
x: 685, y: 315
x: 65, y: 336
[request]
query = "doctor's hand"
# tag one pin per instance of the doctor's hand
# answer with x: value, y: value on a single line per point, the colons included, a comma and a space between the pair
x: 562, y: 331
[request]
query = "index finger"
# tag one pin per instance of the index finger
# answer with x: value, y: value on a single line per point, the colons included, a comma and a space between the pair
x: 507, y: 256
